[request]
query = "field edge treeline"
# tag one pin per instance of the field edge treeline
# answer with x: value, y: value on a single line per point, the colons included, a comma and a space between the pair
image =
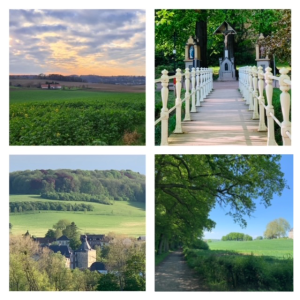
x: 80, y: 185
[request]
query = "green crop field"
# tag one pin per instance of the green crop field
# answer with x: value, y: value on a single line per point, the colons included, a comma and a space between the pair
x: 122, y: 218
x: 77, y: 117
x: 280, y: 248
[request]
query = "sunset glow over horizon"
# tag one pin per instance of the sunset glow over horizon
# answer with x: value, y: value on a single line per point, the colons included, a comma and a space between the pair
x: 77, y: 42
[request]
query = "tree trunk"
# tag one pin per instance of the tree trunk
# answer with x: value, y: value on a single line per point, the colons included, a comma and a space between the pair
x: 160, y: 243
x: 201, y: 35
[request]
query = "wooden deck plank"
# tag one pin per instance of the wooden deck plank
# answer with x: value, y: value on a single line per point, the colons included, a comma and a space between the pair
x: 222, y: 119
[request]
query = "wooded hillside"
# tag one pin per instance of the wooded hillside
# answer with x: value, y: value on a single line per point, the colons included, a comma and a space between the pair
x: 124, y: 185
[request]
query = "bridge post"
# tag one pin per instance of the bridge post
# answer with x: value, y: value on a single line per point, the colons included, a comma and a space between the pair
x: 178, y: 128
x: 285, y: 101
x: 255, y: 115
x: 206, y: 83
x: 247, y: 85
x: 201, y: 86
x: 211, y: 79
x: 193, y: 90
x: 262, y: 125
x: 244, y: 83
x: 164, y: 111
x: 250, y: 89
x: 198, y: 86
x: 270, y: 108
x: 187, y: 95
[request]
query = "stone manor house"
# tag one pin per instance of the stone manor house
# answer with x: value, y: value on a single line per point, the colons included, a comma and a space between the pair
x: 85, y: 256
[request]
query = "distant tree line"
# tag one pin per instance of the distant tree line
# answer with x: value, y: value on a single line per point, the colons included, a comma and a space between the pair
x: 86, y: 78
x: 236, y: 236
x: 43, y: 205
x: 78, y: 197
x: 124, y: 185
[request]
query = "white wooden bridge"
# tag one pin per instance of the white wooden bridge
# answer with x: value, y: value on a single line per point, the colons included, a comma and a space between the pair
x: 225, y: 113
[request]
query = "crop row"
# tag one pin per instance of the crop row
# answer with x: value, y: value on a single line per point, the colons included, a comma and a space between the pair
x: 74, y: 122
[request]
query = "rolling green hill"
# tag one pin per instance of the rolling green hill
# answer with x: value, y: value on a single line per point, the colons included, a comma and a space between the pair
x: 123, y: 217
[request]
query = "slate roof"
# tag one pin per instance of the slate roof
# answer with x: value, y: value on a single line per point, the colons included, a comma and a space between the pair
x: 98, y: 266
x: 63, y: 249
x: 85, y: 246
x: 63, y: 238
x: 93, y: 236
x: 44, y: 240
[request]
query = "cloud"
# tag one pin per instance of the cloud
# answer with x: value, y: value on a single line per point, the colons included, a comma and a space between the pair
x: 65, y: 41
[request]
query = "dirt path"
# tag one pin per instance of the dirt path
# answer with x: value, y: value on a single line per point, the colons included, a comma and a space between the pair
x: 173, y: 274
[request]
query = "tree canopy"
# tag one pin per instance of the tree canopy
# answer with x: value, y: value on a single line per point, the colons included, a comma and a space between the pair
x: 248, y: 23
x: 236, y: 236
x: 277, y: 229
x: 66, y: 184
x: 187, y: 187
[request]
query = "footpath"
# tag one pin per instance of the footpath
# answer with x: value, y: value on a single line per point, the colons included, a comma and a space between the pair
x: 173, y: 274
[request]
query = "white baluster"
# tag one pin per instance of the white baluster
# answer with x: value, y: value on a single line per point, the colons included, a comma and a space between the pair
x: 212, y: 79
x: 247, y: 85
x: 285, y: 101
x: 187, y: 95
x: 193, y: 73
x: 164, y: 111
x: 201, y: 86
x: 250, y: 89
x: 198, y: 86
x: 270, y: 108
x: 206, y: 83
x: 178, y: 128
x: 255, y: 115
x: 262, y: 125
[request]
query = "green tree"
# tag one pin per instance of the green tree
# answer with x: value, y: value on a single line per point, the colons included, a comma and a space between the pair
x: 279, y: 42
x: 26, y: 271
x: 71, y: 231
x: 50, y: 233
x: 277, y: 229
x: 61, y: 224
x: 187, y: 187
x: 248, y: 23
x: 108, y: 282
x: 59, y: 275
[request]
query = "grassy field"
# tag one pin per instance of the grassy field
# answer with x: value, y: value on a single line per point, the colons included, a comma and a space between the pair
x: 38, y: 95
x: 122, y: 217
x: 279, y: 248
x: 76, y: 117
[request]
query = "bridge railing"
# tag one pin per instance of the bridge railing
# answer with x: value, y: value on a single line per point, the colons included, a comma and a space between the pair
x: 252, y: 83
x: 198, y: 84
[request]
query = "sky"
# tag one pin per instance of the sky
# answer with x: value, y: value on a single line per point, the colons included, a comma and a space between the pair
x: 135, y: 163
x: 281, y: 207
x: 77, y: 42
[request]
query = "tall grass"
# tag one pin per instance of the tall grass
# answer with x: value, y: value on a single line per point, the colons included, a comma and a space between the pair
x: 231, y: 271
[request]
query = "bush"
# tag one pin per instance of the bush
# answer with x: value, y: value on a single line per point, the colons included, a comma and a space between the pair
x: 199, y: 244
x: 229, y: 271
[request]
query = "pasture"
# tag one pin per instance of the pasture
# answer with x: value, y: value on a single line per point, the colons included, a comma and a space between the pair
x: 278, y: 248
x: 122, y: 218
x: 76, y: 117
